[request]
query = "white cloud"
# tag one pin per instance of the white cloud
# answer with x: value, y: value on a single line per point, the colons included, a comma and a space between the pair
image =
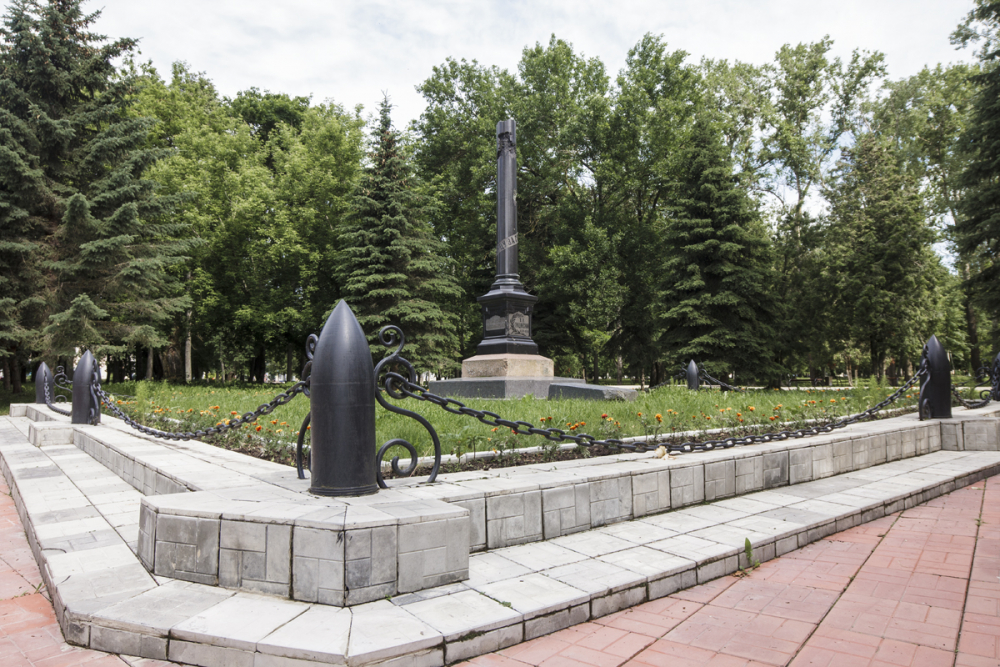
x: 352, y: 50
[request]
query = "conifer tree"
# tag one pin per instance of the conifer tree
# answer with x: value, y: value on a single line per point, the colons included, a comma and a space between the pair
x: 392, y: 266
x: 716, y: 305
x: 882, y: 261
x: 978, y: 226
x: 73, y: 164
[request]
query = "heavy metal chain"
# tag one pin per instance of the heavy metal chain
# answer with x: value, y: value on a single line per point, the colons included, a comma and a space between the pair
x: 301, y: 387
x: 397, y: 384
x: 973, y: 405
x: 727, y: 387
x: 51, y: 405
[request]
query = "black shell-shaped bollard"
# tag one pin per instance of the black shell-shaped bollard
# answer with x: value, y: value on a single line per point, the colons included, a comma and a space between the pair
x: 692, y: 376
x: 86, y: 406
x: 935, y: 390
x: 43, y: 377
x: 342, y: 400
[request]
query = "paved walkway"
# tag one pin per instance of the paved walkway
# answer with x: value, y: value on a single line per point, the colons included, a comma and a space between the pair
x: 29, y: 633
x: 920, y: 588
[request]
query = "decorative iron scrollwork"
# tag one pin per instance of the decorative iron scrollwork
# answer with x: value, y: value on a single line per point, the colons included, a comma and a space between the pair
x: 311, y: 342
x: 388, y: 336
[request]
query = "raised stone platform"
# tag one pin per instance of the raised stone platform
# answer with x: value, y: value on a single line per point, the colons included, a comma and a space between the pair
x: 600, y: 537
x: 590, y: 392
x: 498, y: 387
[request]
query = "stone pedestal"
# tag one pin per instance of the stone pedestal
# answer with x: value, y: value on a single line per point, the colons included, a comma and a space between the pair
x: 502, y: 376
x: 507, y: 365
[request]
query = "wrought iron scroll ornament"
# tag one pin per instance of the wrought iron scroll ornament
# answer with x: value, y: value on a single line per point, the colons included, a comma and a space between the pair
x: 984, y: 374
x: 395, y: 386
x: 50, y: 400
x: 306, y: 371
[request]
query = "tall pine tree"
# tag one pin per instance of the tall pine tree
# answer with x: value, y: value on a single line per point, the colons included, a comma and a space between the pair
x: 717, y: 307
x: 74, y: 188
x: 979, y: 225
x: 392, y: 266
x: 880, y: 243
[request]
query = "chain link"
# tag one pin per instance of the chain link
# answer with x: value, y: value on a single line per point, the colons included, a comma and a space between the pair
x: 51, y: 405
x: 396, y: 383
x: 703, y: 374
x: 301, y: 387
x: 970, y: 404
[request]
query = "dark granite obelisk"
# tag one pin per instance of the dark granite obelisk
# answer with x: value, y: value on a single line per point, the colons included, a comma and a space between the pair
x: 507, y: 307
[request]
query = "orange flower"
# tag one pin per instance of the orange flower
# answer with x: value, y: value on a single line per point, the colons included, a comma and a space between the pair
x: 234, y: 412
x: 639, y: 414
x: 659, y: 417
x: 739, y: 414
x: 833, y: 400
x: 274, y: 421
x: 771, y: 418
x: 259, y: 427
x: 604, y: 416
x: 583, y: 423
x: 751, y: 408
x: 215, y: 407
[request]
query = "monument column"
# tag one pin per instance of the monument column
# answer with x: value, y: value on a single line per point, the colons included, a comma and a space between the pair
x: 507, y: 308
x: 507, y: 363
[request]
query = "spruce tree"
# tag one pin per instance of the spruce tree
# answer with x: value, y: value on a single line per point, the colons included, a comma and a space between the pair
x: 73, y: 164
x: 716, y: 305
x: 882, y: 262
x: 392, y: 267
x: 978, y: 226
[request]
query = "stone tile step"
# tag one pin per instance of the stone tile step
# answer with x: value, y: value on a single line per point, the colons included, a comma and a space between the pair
x: 106, y: 600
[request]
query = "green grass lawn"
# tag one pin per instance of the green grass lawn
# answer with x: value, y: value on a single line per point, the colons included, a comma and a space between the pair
x: 666, y: 410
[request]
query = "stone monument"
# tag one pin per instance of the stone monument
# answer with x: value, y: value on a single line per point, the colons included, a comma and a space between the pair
x: 507, y: 363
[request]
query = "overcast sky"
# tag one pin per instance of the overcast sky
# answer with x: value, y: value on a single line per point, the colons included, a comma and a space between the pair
x: 352, y: 50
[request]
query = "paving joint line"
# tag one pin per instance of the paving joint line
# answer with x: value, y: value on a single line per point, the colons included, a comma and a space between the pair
x: 972, y: 565
x: 849, y: 582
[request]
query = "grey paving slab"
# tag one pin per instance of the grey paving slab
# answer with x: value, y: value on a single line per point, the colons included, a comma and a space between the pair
x: 535, y: 594
x: 540, y: 555
x: 592, y: 543
x: 636, y: 532
x: 239, y: 621
x: 695, y: 548
x: 381, y: 630
x: 491, y: 566
x: 650, y: 563
x: 596, y: 576
x: 320, y: 634
x: 463, y: 613
x: 163, y: 607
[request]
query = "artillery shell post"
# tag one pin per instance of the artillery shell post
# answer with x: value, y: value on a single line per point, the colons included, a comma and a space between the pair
x: 342, y: 400
x: 935, y: 391
x: 86, y: 405
x: 43, y: 378
x: 694, y: 382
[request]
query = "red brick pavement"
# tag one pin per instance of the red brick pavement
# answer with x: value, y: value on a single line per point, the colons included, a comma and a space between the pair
x: 916, y: 589
x: 29, y: 633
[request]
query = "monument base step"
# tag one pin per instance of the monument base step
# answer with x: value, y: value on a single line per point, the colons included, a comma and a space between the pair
x: 498, y: 387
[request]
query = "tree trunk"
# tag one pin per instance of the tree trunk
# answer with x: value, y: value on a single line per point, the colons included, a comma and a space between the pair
x: 6, y: 374
x: 618, y: 368
x: 187, y: 340
x: 289, y: 351
x: 596, y: 367
x: 15, y: 374
x: 149, y: 364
